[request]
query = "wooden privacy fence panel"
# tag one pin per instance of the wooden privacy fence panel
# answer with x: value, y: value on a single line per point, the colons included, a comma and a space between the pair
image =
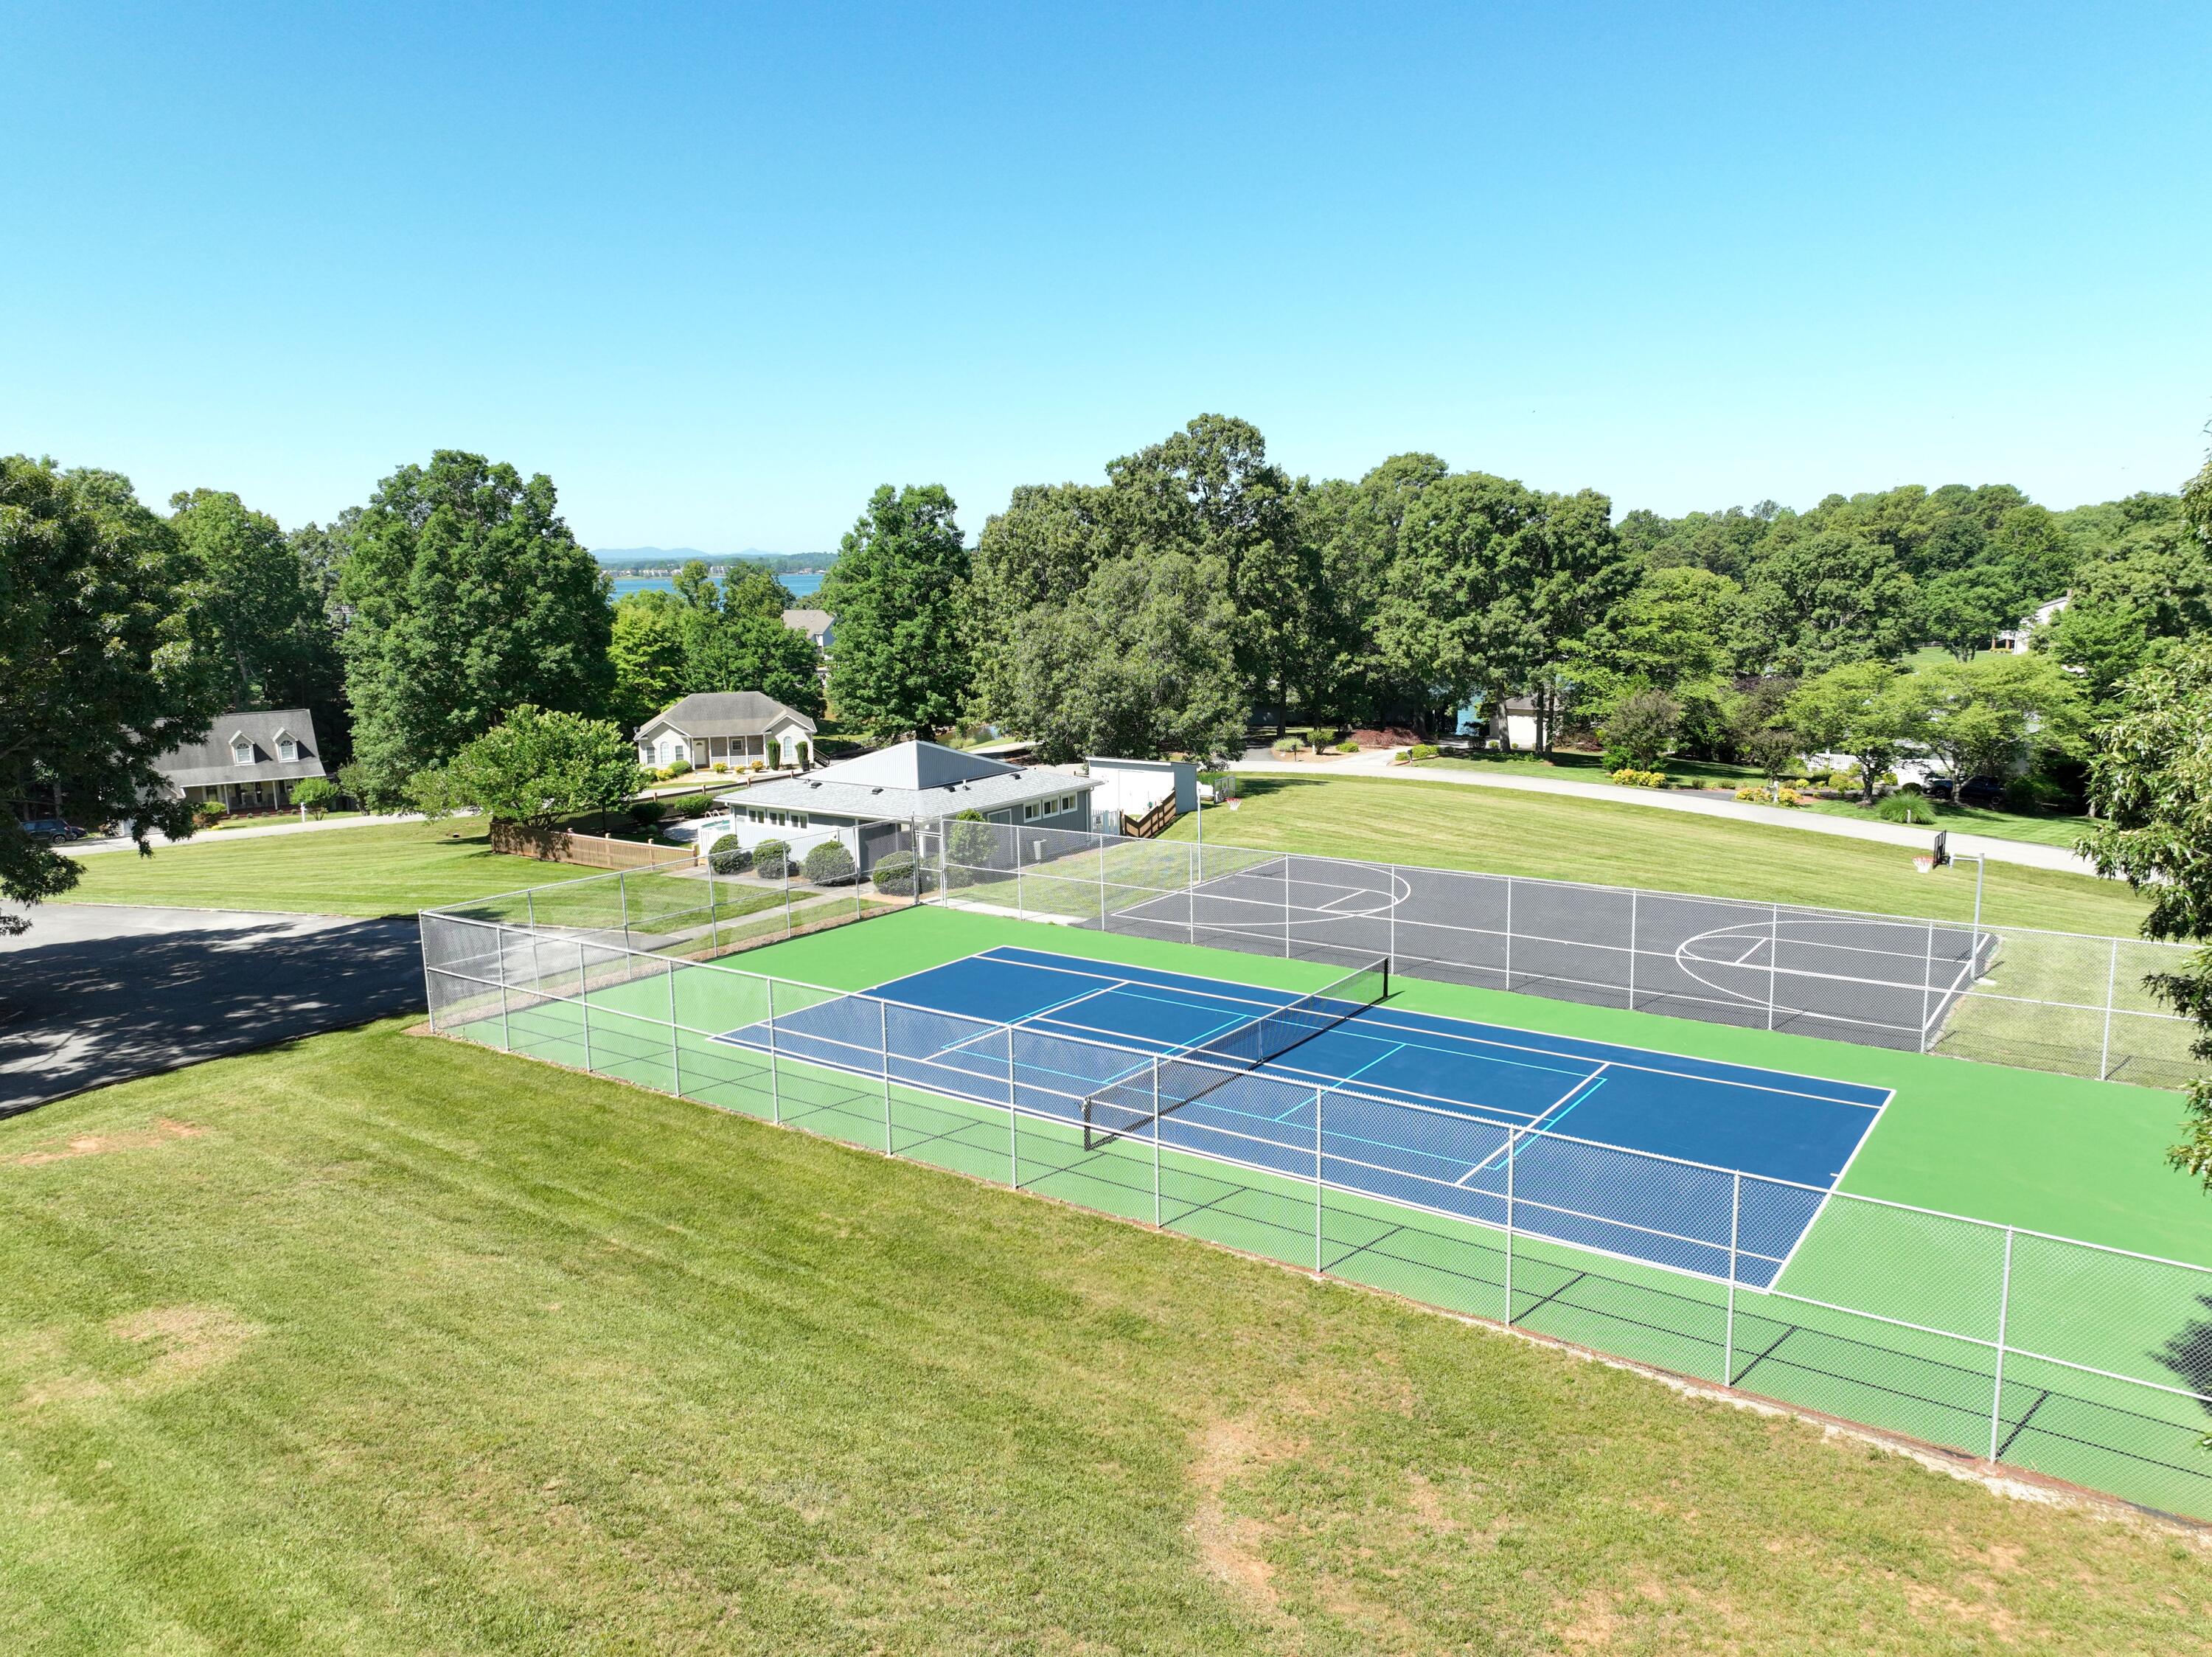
x: 560, y: 845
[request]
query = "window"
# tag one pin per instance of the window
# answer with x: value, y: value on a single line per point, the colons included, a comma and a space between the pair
x: 287, y: 749
x: 242, y: 751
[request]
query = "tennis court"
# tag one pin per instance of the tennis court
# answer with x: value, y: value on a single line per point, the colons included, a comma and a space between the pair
x: 1678, y: 1162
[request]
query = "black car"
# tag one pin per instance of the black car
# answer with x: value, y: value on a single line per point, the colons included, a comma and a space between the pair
x: 52, y: 828
x: 1974, y: 791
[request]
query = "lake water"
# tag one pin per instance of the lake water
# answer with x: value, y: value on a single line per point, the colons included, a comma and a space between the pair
x: 802, y: 586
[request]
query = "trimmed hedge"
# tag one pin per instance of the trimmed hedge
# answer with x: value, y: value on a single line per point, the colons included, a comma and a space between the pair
x: 830, y: 864
x: 728, y: 855
x: 895, y: 873
x: 772, y: 860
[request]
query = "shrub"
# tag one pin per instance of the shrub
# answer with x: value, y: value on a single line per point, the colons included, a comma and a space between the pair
x: 317, y: 794
x: 757, y: 765
x: 896, y: 873
x: 1780, y: 794
x: 1645, y: 725
x: 2031, y: 794
x: 208, y: 813
x: 646, y: 812
x: 1324, y: 736
x: 1616, y: 759
x: 728, y: 855
x: 772, y: 860
x: 1347, y: 747
x: 1290, y: 746
x: 694, y: 805
x: 1905, y: 807
x: 1845, y: 781
x: 828, y: 864
x: 721, y: 765
x: 1422, y: 750
x: 1629, y: 777
x: 669, y: 773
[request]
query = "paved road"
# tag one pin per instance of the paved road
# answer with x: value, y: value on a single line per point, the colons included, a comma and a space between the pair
x: 96, y: 993
x: 1376, y: 764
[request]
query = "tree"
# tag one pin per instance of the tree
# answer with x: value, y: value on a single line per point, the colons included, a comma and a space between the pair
x: 536, y: 767
x: 255, y: 593
x: 1141, y: 664
x: 899, y: 590
x: 469, y: 597
x: 2153, y: 587
x: 2151, y: 782
x: 753, y: 589
x: 1989, y: 717
x: 1827, y: 597
x: 1642, y: 724
x: 1962, y: 610
x: 747, y: 651
x: 106, y: 662
x: 647, y: 650
x: 1858, y: 709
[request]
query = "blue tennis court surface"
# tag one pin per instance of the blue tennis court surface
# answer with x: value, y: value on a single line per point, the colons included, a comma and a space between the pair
x: 1681, y: 1162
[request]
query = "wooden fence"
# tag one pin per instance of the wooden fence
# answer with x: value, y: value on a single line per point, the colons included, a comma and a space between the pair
x: 563, y: 846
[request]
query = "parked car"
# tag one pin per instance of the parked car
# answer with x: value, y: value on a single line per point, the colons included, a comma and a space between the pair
x: 52, y: 828
x: 1974, y: 791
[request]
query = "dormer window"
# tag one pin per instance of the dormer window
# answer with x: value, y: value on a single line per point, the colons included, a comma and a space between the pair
x: 287, y: 749
x: 242, y: 750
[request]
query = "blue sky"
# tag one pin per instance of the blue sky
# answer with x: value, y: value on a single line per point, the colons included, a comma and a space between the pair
x: 720, y: 270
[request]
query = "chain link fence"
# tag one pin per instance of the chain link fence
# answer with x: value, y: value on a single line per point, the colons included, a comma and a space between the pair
x: 2002, y: 994
x: 2086, y: 1363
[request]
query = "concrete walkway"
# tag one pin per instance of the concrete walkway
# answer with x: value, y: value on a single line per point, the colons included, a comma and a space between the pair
x: 1376, y: 765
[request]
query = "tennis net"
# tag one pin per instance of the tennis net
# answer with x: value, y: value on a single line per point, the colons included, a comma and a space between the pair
x: 1134, y: 1102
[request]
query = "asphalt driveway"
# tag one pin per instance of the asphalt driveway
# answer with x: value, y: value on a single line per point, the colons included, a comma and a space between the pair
x: 96, y: 993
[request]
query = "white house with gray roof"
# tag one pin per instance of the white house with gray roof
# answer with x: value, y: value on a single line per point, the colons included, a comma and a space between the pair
x: 734, y: 727
x: 910, y: 781
x: 248, y: 762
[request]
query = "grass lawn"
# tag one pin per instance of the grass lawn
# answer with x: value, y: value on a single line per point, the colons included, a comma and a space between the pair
x: 1557, y: 837
x: 270, y: 819
x: 376, y: 1343
x: 390, y: 868
x: 2049, y: 831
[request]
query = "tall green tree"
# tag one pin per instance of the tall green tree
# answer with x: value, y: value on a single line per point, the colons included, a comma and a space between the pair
x: 647, y: 648
x: 1035, y: 557
x: 263, y: 602
x: 1993, y: 715
x: 2151, y: 783
x: 469, y: 596
x: 106, y: 660
x: 900, y: 593
x: 1861, y: 710
x: 537, y: 767
x: 747, y: 651
x: 1824, y: 597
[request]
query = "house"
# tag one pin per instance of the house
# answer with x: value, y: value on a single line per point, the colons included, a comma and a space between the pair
x: 2018, y: 641
x: 815, y: 623
x: 1512, y: 723
x: 733, y: 727
x: 863, y: 802
x: 249, y: 761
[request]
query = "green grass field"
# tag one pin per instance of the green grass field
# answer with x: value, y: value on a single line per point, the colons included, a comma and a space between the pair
x: 380, y: 1344
x: 1556, y: 838
x: 390, y: 869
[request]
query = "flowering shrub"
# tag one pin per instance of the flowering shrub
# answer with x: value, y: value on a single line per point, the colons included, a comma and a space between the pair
x: 1629, y: 778
x: 1422, y: 750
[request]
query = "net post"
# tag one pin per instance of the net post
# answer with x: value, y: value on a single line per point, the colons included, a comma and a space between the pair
x: 1155, y: 1142
x: 775, y: 1086
x: 2111, y: 986
x: 1318, y: 1185
x: 2004, y: 1306
x: 1391, y: 944
x: 1512, y: 1144
x: 1927, y: 988
x: 1735, y: 1222
x: 883, y: 1053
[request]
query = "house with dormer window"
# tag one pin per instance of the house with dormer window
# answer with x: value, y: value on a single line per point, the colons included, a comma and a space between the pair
x: 248, y: 762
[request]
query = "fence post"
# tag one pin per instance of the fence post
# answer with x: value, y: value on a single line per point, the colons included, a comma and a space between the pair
x: 2112, y: 989
x: 1013, y: 1118
x: 713, y: 921
x: 675, y: 1034
x: 1509, y: 984
x: 1286, y: 905
x: 786, y: 892
x: 2005, y: 1305
x: 1631, y: 949
x: 622, y: 893
x: 1728, y: 1343
x: 1927, y: 988
x: 1318, y: 1183
x: 1773, y: 957
x: 775, y: 1086
x: 1393, y: 895
x: 1101, y: 881
x: 1156, y: 1145
x: 1195, y: 864
x: 499, y: 948
x: 1512, y: 1141
x: 583, y: 1001
x: 530, y: 906
x: 884, y: 1052
x: 1021, y: 909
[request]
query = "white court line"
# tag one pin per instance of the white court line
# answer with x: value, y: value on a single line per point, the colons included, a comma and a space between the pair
x: 1106, y: 989
x: 1535, y: 1128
